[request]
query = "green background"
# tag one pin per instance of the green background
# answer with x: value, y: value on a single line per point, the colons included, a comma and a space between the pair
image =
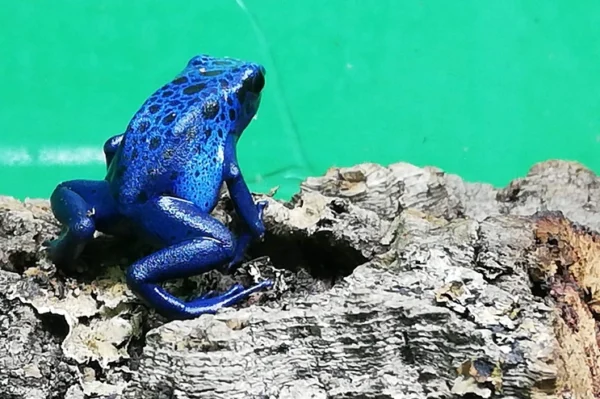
x: 479, y: 88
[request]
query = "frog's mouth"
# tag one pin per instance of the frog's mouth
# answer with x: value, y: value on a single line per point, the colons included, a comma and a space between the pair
x: 250, y: 105
x: 258, y: 81
x: 251, y: 89
x: 249, y: 95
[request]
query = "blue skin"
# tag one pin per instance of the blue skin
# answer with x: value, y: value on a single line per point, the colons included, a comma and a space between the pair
x: 163, y: 180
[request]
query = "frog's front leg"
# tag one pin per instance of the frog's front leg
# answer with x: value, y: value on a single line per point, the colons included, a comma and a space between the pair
x: 195, y: 243
x: 110, y: 147
x: 81, y: 206
x: 250, y: 213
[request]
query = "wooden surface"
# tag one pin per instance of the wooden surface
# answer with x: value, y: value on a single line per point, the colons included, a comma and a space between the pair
x: 391, y: 282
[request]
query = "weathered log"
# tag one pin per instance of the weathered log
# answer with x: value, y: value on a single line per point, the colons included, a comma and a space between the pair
x: 391, y: 282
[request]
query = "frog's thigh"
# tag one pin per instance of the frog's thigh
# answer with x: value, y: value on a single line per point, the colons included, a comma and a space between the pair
x: 171, y: 220
x: 194, y: 242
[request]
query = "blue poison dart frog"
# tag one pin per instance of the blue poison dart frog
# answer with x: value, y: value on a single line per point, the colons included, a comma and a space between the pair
x: 163, y: 180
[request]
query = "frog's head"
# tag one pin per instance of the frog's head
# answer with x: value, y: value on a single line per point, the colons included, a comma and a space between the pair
x: 247, y: 85
x: 237, y: 83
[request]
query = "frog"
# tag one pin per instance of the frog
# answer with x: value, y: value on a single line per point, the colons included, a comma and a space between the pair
x: 163, y: 180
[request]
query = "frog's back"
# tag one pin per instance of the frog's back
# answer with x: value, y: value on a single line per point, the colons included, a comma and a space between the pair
x: 174, y: 144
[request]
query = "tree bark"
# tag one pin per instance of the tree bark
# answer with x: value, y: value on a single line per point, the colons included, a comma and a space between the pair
x: 391, y: 282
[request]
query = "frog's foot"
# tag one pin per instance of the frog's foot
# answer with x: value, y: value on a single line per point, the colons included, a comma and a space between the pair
x: 235, y: 289
x: 195, y: 243
x: 63, y: 250
x: 241, y: 246
x: 78, y: 205
x: 230, y: 297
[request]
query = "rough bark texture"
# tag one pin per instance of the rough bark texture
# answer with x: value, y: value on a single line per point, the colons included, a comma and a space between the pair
x: 391, y: 282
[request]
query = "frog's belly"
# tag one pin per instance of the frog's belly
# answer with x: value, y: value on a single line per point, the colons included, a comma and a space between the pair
x: 202, y: 187
x: 199, y: 184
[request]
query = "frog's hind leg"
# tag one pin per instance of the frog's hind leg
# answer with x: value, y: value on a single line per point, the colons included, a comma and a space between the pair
x: 79, y: 205
x: 195, y: 243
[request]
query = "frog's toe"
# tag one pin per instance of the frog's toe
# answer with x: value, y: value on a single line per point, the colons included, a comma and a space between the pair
x: 59, y: 253
x: 51, y: 247
x: 234, y: 295
x: 261, y: 206
x: 234, y: 290
x: 209, y: 294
